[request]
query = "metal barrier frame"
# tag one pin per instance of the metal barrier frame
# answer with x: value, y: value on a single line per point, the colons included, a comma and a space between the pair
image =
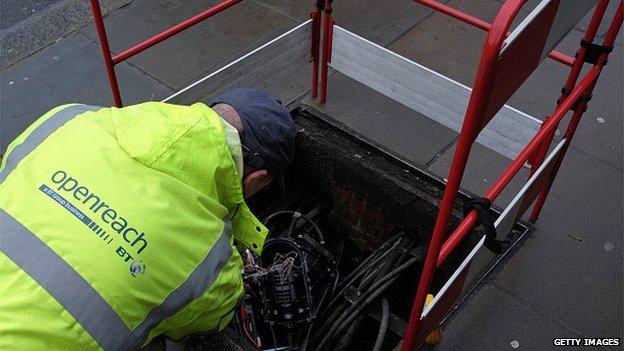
x: 575, y: 96
x: 110, y: 61
x: 492, y: 87
x: 485, y: 100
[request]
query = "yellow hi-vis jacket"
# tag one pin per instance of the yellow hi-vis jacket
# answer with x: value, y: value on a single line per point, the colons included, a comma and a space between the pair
x: 118, y: 225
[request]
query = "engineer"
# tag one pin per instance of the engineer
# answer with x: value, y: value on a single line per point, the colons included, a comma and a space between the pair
x: 118, y: 225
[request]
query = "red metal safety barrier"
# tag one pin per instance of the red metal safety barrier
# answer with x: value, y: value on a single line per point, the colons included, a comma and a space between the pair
x: 507, y: 60
x: 589, y: 36
x: 110, y: 61
x: 503, y: 67
x: 480, y: 110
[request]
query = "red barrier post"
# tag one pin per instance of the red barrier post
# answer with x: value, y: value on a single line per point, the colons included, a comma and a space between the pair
x: 106, y: 53
x: 472, y: 124
x: 579, y: 60
x: 608, y: 41
x: 328, y: 34
x: 315, y: 15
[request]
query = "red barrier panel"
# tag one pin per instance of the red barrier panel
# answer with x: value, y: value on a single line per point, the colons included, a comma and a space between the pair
x: 498, y: 76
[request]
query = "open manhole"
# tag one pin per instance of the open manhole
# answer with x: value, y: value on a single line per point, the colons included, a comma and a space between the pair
x: 349, y: 229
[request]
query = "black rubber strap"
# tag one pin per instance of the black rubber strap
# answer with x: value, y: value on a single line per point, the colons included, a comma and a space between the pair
x: 482, y: 205
x: 594, y: 51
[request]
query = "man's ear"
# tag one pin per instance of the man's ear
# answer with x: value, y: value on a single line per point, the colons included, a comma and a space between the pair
x: 255, y: 181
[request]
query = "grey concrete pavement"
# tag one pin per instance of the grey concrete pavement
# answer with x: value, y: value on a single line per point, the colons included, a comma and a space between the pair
x: 575, y: 256
x: 12, y: 12
x: 480, y: 329
x: 198, y: 51
x: 561, y: 286
x: 61, y: 74
x: 52, y: 20
x: 555, y: 286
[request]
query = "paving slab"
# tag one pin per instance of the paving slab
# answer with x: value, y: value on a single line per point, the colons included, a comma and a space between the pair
x: 601, y: 129
x: 604, y: 25
x: 197, y: 51
x: 281, y: 68
x: 297, y: 11
x: 13, y: 11
x: 447, y: 45
x: 68, y: 71
x: 378, y: 21
x: 496, y: 320
x: 484, y: 168
x: 51, y: 21
x: 571, y: 268
x: 382, y: 120
x: 453, y: 48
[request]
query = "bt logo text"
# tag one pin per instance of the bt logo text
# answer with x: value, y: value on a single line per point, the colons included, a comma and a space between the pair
x: 586, y: 342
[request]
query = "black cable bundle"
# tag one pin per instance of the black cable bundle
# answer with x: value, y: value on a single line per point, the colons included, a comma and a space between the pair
x: 358, y: 291
x: 295, y: 276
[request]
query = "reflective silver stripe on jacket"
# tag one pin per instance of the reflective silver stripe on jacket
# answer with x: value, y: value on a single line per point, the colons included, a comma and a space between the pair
x: 61, y: 281
x: 85, y: 304
x: 38, y: 135
x: 195, y: 285
x: 75, y: 294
